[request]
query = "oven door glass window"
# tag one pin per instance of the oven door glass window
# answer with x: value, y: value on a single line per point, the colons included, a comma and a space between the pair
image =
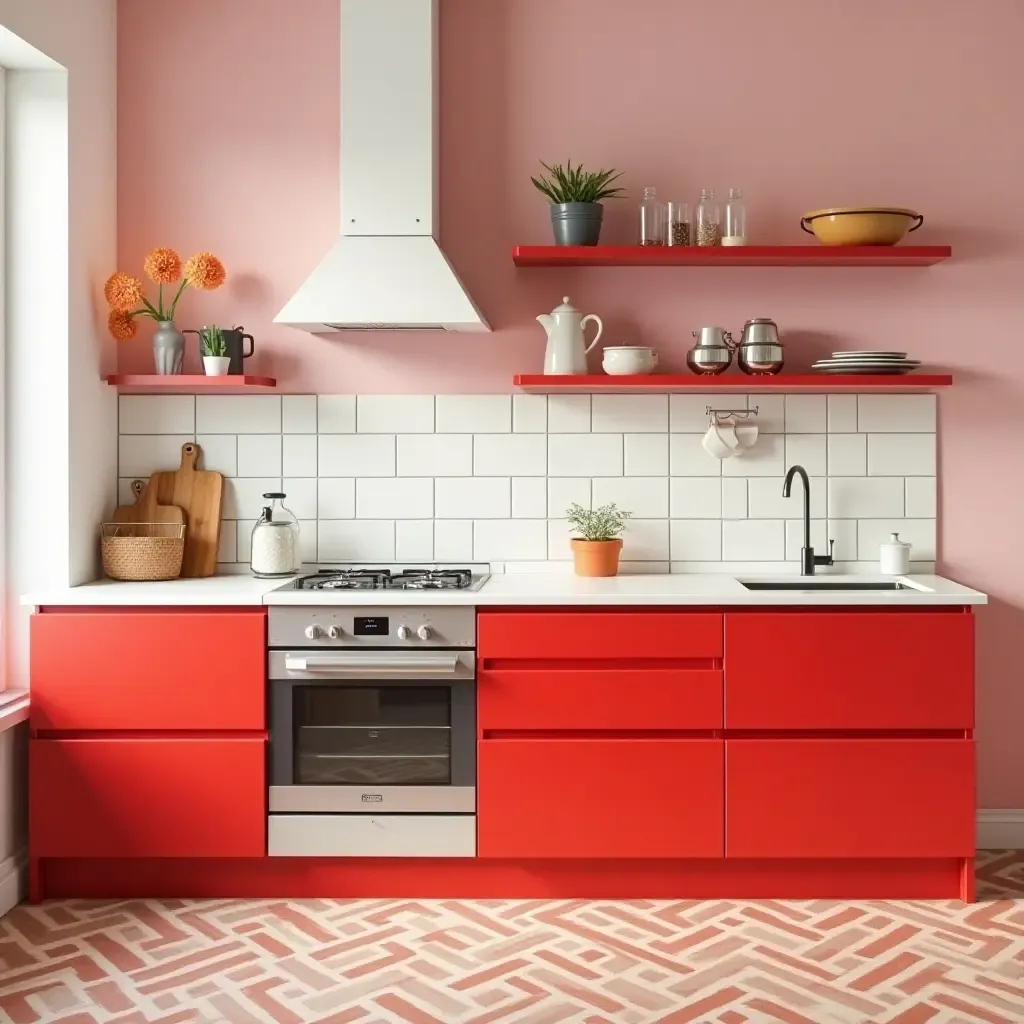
x: 394, y: 735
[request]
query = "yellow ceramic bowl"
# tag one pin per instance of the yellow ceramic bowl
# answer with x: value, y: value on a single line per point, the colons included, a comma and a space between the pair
x: 860, y: 225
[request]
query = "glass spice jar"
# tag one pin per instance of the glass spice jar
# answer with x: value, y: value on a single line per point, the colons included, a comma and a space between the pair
x: 678, y: 224
x: 734, y: 231
x: 652, y: 218
x: 709, y: 221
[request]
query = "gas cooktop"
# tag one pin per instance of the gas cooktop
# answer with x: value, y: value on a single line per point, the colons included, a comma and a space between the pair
x: 389, y: 579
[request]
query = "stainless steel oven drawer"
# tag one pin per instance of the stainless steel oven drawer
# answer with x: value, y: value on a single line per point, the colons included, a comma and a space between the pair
x: 364, y: 835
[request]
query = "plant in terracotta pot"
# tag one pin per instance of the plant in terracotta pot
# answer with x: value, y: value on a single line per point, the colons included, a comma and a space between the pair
x: 576, y: 195
x: 596, y: 551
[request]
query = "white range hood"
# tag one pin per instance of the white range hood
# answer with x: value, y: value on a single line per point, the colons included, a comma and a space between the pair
x: 386, y: 270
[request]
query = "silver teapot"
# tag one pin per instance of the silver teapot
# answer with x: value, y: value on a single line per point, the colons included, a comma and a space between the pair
x: 713, y: 351
x: 760, y: 351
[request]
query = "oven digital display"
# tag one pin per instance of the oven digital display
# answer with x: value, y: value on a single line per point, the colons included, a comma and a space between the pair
x: 371, y: 625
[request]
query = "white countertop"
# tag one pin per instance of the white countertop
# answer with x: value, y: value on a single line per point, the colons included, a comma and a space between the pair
x: 514, y: 589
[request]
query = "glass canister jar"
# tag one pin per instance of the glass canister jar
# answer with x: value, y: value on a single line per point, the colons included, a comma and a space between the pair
x: 678, y: 224
x: 652, y: 218
x: 709, y: 220
x: 275, y: 539
x: 735, y: 230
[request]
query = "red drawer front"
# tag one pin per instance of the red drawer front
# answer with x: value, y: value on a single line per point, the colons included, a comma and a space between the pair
x: 849, y: 798
x: 849, y: 670
x: 593, y: 798
x: 147, y: 798
x: 589, y: 635
x: 148, y: 670
x: 571, y: 699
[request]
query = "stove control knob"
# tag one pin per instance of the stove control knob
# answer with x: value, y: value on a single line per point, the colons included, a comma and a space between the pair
x: 403, y: 633
x: 424, y: 632
x: 334, y: 632
x: 314, y: 632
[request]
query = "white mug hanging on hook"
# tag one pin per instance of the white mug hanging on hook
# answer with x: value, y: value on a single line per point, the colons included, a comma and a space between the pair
x: 567, y: 347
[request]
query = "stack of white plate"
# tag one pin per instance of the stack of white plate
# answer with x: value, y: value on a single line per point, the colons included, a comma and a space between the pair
x: 867, y: 362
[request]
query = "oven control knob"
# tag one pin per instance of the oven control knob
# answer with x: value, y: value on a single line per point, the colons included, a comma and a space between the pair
x: 314, y: 632
x: 424, y: 632
x: 334, y: 632
x: 403, y: 633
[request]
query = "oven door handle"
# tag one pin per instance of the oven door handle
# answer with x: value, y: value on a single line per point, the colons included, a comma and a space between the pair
x: 433, y: 663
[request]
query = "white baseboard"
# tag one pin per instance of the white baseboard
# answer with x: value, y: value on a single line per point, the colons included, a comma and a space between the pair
x: 13, y: 881
x: 1000, y: 829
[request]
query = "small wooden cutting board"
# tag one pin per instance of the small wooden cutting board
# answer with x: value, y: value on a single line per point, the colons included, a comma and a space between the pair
x: 146, y: 509
x: 198, y: 493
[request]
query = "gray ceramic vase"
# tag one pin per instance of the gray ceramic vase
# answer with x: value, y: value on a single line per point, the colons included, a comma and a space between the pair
x: 168, y: 348
x: 576, y: 223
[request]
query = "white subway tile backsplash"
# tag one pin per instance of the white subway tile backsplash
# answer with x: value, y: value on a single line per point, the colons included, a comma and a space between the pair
x: 156, y: 414
x: 356, y: 540
x: 735, y: 504
x: 219, y: 453
x: 920, y: 533
x: 336, y: 498
x: 646, y: 497
x: 559, y: 536
x: 614, y: 414
x: 139, y: 455
x: 688, y: 458
x: 696, y: 497
x: 336, y: 414
x: 473, y: 414
x: 243, y: 540
x: 771, y: 412
x: 896, y: 414
x: 568, y: 414
x: 566, y: 491
x: 807, y: 450
x: 357, y: 455
x: 696, y: 540
x: 530, y: 414
x: 766, y: 500
x: 395, y: 498
x: 795, y: 537
x: 646, y: 540
x: 243, y: 497
x: 844, y: 533
x: 298, y: 414
x: 515, y: 539
x: 529, y: 497
x: 754, y: 540
x: 842, y: 414
x: 259, y: 454
x: 238, y: 414
x: 510, y: 454
x: 453, y: 540
x: 435, y: 454
x: 301, y: 496
x: 766, y: 458
x: 921, y: 497
x: 901, y: 454
x: 805, y: 414
x: 299, y: 454
x: 395, y: 414
x: 307, y: 540
x: 125, y: 494
x: 585, y: 455
x: 645, y: 454
x: 864, y: 497
x: 472, y: 498
x: 414, y: 540
x: 847, y: 454
x: 227, y: 549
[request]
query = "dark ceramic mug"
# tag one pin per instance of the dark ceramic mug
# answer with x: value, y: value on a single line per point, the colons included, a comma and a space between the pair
x: 234, y: 340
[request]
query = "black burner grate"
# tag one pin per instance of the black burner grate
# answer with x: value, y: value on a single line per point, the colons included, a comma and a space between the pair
x: 384, y: 579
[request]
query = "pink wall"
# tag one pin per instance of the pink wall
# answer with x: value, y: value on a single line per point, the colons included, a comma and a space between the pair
x: 229, y: 141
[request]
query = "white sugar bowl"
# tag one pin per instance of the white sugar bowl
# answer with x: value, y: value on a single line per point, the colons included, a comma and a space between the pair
x: 621, y: 360
x: 894, y: 556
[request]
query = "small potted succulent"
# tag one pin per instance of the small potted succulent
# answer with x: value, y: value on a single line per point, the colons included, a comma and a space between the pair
x: 596, y: 551
x: 215, y: 351
x: 576, y: 195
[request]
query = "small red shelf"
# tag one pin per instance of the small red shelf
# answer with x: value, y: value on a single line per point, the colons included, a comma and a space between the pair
x: 735, y: 256
x: 653, y: 383
x: 189, y: 384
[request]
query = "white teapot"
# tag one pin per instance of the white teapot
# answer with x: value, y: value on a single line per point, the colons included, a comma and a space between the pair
x: 567, y: 347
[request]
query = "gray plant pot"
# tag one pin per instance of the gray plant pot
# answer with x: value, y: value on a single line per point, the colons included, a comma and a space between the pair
x: 576, y: 223
x: 168, y: 348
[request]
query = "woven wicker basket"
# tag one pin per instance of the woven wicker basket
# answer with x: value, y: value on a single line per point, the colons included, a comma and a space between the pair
x: 142, y: 551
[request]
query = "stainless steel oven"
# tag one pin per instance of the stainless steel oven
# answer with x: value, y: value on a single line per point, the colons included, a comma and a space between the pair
x: 372, y: 731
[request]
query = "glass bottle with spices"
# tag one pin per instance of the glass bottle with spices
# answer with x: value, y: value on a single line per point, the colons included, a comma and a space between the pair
x: 678, y: 223
x: 735, y: 229
x: 709, y: 220
x: 652, y: 218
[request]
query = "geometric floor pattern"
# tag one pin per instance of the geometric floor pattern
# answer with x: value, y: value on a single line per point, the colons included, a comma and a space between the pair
x: 520, y: 961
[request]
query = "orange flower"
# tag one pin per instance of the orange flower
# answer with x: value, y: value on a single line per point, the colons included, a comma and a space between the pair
x: 122, y: 326
x: 163, y: 266
x: 123, y: 292
x: 204, y: 271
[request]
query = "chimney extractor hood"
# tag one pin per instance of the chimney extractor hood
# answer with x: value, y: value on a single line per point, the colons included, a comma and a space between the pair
x: 386, y: 271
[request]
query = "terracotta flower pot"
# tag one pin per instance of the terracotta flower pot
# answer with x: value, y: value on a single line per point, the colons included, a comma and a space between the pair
x: 596, y: 557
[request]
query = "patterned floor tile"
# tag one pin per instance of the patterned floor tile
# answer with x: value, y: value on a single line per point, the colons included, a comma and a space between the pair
x: 520, y: 961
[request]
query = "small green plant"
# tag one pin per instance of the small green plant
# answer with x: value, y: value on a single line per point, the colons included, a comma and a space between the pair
x: 570, y: 184
x: 211, y: 340
x: 604, y: 523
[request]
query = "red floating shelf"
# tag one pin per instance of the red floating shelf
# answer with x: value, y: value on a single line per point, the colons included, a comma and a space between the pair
x: 730, y: 256
x: 189, y: 384
x: 652, y: 383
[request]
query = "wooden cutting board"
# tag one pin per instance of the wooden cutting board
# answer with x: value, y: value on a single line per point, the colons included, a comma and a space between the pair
x: 146, y: 509
x: 198, y: 493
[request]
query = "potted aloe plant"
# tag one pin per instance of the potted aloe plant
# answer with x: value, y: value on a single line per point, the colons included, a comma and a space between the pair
x: 215, y: 351
x: 576, y: 195
x: 596, y: 551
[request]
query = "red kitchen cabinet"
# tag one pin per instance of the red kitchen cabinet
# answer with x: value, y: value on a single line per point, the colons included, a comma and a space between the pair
x: 849, y: 670
x: 567, y: 699
x: 147, y: 798
x: 849, y: 798
x: 599, y: 798
x: 599, y: 635
x: 148, y: 670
